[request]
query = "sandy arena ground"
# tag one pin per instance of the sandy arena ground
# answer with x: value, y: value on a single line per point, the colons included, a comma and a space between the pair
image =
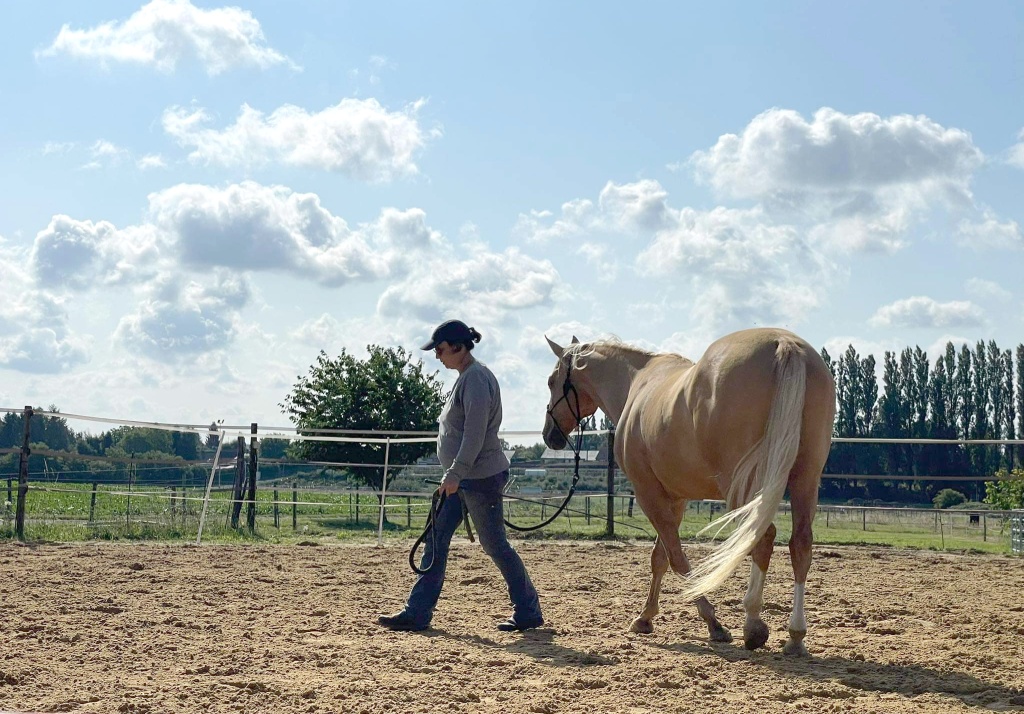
x: 159, y: 628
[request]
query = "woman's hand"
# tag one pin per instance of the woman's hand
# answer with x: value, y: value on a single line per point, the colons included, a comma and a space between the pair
x: 449, y: 485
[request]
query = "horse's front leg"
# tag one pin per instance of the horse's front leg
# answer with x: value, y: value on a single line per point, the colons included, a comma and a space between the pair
x: 659, y: 566
x: 755, y: 632
x: 665, y: 517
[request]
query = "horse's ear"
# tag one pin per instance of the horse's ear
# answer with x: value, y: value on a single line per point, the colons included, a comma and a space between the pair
x: 559, y: 351
x: 575, y: 340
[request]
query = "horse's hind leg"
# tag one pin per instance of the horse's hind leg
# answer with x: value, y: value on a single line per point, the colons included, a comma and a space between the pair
x: 755, y: 632
x: 659, y: 566
x: 665, y: 516
x: 804, y: 501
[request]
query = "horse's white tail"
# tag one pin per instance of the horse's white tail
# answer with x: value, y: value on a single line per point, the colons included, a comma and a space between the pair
x: 765, y: 468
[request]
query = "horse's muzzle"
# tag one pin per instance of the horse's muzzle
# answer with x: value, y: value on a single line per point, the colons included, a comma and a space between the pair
x: 553, y: 436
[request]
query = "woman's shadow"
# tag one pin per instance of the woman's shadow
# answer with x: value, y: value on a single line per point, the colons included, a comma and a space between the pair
x: 539, y: 644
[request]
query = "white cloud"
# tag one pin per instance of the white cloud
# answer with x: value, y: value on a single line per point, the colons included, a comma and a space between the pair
x: 865, y: 178
x: 34, y: 333
x: 356, y: 137
x: 781, y: 154
x: 1016, y: 155
x: 105, y: 154
x: 632, y: 208
x: 318, y: 332
x: 151, y: 161
x: 741, y: 265
x: 534, y: 227
x: 272, y: 228
x: 484, y: 287
x: 531, y: 339
x: 79, y: 255
x: 743, y: 270
x: 920, y: 311
x: 165, y: 33
x: 987, y: 290
x: 57, y: 147
x: 638, y: 206
x: 599, y: 256
x: 377, y: 64
x: 938, y: 347
x: 989, y: 232
x: 184, y: 319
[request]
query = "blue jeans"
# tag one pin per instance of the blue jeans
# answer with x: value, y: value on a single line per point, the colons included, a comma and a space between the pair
x: 483, y: 499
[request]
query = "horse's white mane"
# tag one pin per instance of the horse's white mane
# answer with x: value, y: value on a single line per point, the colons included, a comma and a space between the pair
x: 579, y: 351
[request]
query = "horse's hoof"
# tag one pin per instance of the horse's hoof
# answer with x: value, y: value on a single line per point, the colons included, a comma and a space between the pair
x: 642, y: 626
x: 795, y: 647
x: 755, y: 635
x: 719, y: 634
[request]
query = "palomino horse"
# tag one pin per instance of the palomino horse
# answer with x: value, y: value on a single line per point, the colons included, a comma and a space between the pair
x: 752, y: 418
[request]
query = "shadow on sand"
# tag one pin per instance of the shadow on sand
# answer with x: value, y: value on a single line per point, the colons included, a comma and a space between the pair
x: 539, y: 644
x: 908, y: 680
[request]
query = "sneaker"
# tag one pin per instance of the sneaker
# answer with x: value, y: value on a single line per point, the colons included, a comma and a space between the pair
x: 518, y: 624
x: 401, y: 621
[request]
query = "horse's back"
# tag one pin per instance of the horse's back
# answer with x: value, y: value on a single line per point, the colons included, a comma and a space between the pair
x: 690, y: 424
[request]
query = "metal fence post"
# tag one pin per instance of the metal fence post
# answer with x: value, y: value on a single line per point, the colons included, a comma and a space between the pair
x: 383, y: 493
x: 610, y: 527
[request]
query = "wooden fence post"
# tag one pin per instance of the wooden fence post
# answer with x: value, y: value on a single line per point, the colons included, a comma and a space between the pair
x: 295, y: 506
x: 277, y: 514
x: 610, y: 527
x: 250, y: 517
x: 92, y: 503
x: 19, y: 516
x: 236, y: 490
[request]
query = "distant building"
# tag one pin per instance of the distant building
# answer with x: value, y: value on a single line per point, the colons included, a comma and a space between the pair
x: 568, y: 455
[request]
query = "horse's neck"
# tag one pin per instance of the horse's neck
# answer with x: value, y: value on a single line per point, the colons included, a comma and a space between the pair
x: 611, y: 379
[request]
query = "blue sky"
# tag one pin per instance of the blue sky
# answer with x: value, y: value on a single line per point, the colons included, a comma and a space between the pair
x: 196, y: 198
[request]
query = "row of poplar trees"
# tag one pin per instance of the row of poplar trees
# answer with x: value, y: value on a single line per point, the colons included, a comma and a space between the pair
x: 965, y: 394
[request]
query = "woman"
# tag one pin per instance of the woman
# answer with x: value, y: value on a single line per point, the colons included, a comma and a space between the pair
x: 476, y: 472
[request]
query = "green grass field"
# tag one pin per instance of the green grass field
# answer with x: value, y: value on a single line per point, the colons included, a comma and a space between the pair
x: 69, y: 512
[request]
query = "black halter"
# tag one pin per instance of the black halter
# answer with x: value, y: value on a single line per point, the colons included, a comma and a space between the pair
x: 574, y: 409
x: 567, y: 387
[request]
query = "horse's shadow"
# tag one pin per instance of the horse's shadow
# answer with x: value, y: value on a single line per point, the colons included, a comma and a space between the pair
x: 538, y: 644
x: 908, y: 680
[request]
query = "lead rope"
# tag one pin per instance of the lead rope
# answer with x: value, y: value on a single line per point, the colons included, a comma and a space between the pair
x: 435, y: 507
x: 567, y: 386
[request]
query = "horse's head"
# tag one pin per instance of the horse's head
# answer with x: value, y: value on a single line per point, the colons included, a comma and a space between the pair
x: 570, y: 401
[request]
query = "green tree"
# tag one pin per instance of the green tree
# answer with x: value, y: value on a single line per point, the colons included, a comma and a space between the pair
x: 141, y: 440
x: 947, y: 498
x: 1008, y: 491
x: 388, y: 391
x: 528, y: 453
x: 185, y: 445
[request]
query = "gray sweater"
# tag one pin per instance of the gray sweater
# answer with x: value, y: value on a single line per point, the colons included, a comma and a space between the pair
x: 467, y: 439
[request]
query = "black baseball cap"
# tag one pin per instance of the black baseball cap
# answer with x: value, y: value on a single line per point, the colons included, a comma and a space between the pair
x: 452, y: 331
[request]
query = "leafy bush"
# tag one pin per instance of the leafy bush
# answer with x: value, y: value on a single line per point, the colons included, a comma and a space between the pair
x: 947, y: 498
x: 1008, y: 492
